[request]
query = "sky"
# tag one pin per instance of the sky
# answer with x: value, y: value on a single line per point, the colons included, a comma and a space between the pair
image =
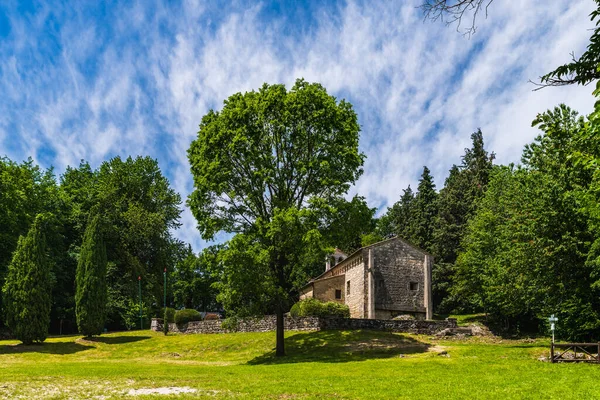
x: 94, y: 80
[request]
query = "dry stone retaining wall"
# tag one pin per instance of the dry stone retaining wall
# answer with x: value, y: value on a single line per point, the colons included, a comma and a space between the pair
x: 268, y: 323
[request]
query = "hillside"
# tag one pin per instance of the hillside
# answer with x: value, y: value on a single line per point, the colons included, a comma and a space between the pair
x: 333, y: 364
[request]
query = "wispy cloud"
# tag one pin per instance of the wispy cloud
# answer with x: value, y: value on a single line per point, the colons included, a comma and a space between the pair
x: 93, y: 83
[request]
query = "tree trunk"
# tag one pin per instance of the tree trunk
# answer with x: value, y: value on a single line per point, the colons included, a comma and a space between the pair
x: 279, y: 342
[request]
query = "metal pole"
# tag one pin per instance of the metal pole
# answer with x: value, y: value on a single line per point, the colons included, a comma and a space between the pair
x: 140, y: 291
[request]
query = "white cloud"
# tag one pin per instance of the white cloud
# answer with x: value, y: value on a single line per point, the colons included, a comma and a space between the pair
x: 142, y: 84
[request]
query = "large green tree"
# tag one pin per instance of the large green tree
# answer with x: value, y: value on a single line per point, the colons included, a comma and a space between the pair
x: 457, y: 203
x: 347, y: 222
x: 25, y: 191
x: 91, y: 293
x: 28, y: 287
x: 139, y: 211
x: 425, y: 212
x: 193, y: 280
x: 260, y: 165
x: 527, y: 250
x: 399, y: 219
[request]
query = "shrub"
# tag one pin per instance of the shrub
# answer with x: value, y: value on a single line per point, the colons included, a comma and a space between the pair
x: 187, y: 315
x: 316, y: 308
x: 169, y: 315
x: 231, y: 324
x: 333, y: 309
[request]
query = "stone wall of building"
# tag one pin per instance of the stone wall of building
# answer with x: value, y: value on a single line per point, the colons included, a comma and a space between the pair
x: 307, y: 292
x: 354, y: 290
x: 268, y: 323
x: 325, y: 289
x: 399, y: 278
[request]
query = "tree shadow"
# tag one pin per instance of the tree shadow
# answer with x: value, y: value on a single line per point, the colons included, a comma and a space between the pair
x: 115, y: 339
x: 343, y: 346
x: 46, y: 348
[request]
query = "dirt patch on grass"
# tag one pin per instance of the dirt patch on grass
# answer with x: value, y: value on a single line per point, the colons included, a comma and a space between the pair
x: 163, y: 391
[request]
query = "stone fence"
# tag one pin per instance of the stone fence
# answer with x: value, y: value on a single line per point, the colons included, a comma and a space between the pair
x: 268, y: 323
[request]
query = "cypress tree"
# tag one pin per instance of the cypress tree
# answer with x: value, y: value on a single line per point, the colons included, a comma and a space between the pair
x: 28, y: 286
x: 91, y: 294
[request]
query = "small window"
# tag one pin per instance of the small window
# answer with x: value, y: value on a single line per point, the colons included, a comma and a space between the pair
x: 414, y: 286
x: 347, y: 288
x: 338, y: 294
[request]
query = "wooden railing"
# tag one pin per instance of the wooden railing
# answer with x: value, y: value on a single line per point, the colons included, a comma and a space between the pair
x: 575, y: 352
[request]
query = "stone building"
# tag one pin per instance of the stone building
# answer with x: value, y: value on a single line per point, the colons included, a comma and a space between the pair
x: 380, y: 281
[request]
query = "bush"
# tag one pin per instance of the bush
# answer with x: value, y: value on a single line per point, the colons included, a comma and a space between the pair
x: 169, y: 315
x: 231, y: 324
x: 316, y: 308
x: 187, y: 315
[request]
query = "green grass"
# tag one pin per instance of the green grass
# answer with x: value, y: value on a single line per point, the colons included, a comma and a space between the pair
x: 332, y: 364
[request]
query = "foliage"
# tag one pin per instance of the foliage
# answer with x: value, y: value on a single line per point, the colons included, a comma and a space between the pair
x: 187, y: 315
x: 26, y: 191
x: 398, y: 219
x: 91, y: 294
x: 315, y: 308
x: 583, y: 70
x: 129, y: 313
x: 166, y: 321
x: 193, y: 281
x: 347, y: 222
x: 527, y: 248
x: 457, y: 203
x: 231, y: 323
x: 264, y: 167
x: 28, y: 286
x: 169, y: 314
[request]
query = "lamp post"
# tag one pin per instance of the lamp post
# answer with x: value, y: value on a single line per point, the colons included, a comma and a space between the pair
x: 140, y: 292
x: 552, y: 320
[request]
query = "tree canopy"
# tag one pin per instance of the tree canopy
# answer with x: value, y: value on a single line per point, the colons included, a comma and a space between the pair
x: 264, y: 167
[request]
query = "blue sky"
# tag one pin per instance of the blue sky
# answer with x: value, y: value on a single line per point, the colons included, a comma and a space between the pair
x: 93, y: 80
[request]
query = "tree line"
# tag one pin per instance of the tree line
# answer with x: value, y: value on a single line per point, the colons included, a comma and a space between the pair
x: 72, y: 249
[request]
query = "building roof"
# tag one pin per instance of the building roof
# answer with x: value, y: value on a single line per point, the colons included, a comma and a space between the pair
x: 343, y: 262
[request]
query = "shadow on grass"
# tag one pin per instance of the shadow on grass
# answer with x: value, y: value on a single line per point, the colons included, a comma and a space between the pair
x: 342, y: 346
x: 46, y: 348
x: 116, y: 339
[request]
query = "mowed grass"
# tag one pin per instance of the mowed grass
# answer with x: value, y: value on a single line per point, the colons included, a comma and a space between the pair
x: 331, y: 364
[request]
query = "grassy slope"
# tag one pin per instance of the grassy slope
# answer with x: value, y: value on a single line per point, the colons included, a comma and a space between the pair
x: 331, y: 364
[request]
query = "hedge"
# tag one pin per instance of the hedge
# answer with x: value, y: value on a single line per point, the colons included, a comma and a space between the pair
x: 187, y: 315
x: 316, y: 308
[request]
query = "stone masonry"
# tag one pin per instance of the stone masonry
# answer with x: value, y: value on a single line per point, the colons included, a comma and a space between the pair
x: 268, y: 323
x: 380, y: 281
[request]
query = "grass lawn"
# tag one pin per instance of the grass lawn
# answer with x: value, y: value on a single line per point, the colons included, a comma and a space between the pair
x: 332, y: 364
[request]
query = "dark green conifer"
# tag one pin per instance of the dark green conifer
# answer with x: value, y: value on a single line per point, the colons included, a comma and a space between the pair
x: 28, y: 286
x: 91, y: 295
x: 425, y: 211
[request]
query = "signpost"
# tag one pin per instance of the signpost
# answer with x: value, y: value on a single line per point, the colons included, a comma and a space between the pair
x: 552, y: 320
